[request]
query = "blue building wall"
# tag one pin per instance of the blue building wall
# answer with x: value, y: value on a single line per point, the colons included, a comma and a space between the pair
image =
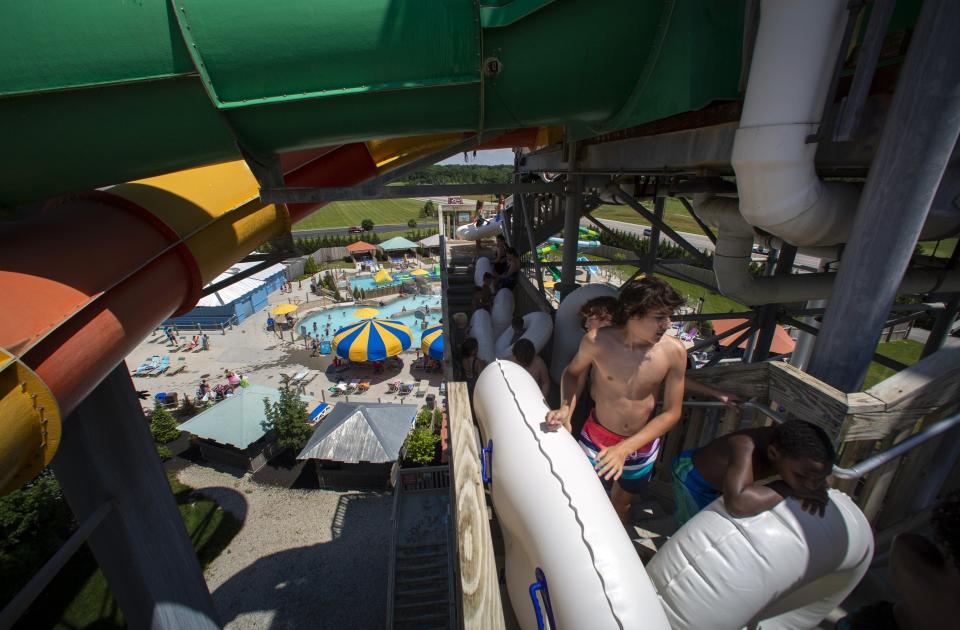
x: 212, y: 317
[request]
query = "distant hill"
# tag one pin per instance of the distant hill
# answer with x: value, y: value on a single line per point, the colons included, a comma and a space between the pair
x: 462, y: 174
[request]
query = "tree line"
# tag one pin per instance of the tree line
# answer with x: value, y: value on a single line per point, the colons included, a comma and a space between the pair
x: 461, y: 174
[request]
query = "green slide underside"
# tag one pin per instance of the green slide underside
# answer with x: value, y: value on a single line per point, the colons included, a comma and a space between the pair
x: 97, y: 93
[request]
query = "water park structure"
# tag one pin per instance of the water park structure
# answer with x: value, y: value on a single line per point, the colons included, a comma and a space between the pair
x: 172, y: 140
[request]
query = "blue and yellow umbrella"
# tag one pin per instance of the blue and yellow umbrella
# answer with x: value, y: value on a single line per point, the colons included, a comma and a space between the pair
x: 431, y: 341
x: 372, y: 340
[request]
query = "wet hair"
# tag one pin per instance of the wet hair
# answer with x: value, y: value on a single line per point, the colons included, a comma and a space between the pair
x: 639, y: 297
x: 603, y: 306
x: 517, y: 322
x: 470, y: 346
x: 459, y: 318
x: 946, y: 526
x: 523, y: 352
x: 799, y: 439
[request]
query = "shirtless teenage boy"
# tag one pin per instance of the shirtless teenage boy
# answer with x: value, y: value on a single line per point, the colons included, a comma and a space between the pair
x: 630, y: 361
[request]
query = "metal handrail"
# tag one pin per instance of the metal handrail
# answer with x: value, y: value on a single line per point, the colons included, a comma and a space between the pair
x: 871, y: 463
x: 895, y: 451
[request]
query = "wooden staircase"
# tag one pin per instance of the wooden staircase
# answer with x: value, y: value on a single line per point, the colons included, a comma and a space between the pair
x: 423, y: 596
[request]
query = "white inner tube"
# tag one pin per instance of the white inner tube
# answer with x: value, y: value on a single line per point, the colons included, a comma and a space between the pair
x: 567, y: 322
x: 481, y: 329
x: 556, y: 516
x: 537, y: 327
x: 502, y: 311
x: 780, y: 569
x: 470, y: 231
x: 482, y: 266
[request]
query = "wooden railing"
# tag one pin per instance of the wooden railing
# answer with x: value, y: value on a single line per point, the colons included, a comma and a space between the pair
x: 479, y: 597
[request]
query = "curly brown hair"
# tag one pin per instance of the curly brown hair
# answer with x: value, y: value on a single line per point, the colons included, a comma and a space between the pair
x: 603, y: 306
x: 639, y: 297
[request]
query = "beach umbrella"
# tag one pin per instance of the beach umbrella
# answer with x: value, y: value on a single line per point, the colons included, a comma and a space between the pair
x: 372, y: 340
x: 283, y: 309
x: 419, y: 272
x: 366, y: 313
x: 431, y: 342
x: 382, y: 276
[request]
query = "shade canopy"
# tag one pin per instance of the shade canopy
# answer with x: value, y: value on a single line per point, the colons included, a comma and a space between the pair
x: 782, y: 342
x: 361, y: 247
x: 419, y: 272
x: 431, y: 241
x: 431, y: 342
x: 364, y: 432
x: 238, y: 421
x: 382, y: 276
x: 397, y: 243
x: 366, y: 313
x: 283, y: 309
x: 372, y: 340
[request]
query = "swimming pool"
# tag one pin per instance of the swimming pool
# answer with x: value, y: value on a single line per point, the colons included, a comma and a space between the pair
x: 403, y: 310
x: 368, y: 283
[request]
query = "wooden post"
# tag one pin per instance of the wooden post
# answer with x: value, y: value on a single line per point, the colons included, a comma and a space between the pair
x: 480, y: 592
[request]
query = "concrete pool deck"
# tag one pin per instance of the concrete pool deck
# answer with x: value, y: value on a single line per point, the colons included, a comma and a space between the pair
x: 262, y: 356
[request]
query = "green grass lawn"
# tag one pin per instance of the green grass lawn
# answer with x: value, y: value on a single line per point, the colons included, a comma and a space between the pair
x: 380, y: 211
x: 940, y: 249
x: 675, y: 214
x: 905, y: 351
x: 79, y: 596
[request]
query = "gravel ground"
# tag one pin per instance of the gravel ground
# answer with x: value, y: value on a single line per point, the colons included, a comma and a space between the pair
x: 304, y: 558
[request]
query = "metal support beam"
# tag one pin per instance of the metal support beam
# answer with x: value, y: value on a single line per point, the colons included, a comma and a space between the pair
x: 654, y: 242
x: 572, y: 209
x: 919, y: 135
x: 728, y: 350
x: 142, y: 548
x: 317, y: 195
x: 669, y: 231
x: 767, y: 319
x: 703, y: 226
x: 942, y: 326
x: 522, y: 200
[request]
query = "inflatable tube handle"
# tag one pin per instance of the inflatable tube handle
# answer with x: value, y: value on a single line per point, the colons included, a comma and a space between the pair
x: 484, y: 470
x: 541, y: 585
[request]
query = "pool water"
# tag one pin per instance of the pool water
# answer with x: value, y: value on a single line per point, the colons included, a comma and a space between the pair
x: 337, y: 318
x: 368, y: 283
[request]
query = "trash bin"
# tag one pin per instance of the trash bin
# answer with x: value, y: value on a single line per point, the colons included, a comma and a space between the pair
x: 430, y: 401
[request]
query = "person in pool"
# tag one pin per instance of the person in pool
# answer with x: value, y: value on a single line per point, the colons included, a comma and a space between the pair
x: 630, y: 362
x: 734, y: 465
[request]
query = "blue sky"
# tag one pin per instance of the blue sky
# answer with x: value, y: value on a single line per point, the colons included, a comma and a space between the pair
x: 493, y: 156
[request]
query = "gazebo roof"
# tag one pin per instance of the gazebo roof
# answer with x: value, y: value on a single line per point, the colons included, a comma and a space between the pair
x: 361, y: 432
x: 397, y: 242
x: 361, y: 246
x: 237, y: 421
x: 430, y: 241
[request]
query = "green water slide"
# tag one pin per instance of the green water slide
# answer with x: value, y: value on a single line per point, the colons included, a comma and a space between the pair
x: 97, y: 93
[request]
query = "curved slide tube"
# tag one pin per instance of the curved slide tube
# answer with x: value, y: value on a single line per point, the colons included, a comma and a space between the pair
x: 470, y: 231
x: 556, y: 240
x: 481, y: 329
x: 537, y: 325
x: 592, y: 268
x: 502, y: 311
x: 481, y: 267
x: 782, y: 569
x: 567, y: 323
x: 556, y: 517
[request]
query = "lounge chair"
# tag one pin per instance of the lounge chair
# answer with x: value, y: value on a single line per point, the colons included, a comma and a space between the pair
x: 298, y: 377
x: 352, y: 386
x: 419, y: 364
x: 406, y: 388
x: 181, y: 366
x: 161, y: 368
x: 422, y: 387
x: 393, y: 387
x: 319, y: 412
x: 338, y: 390
x: 363, y: 386
x: 147, y: 366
